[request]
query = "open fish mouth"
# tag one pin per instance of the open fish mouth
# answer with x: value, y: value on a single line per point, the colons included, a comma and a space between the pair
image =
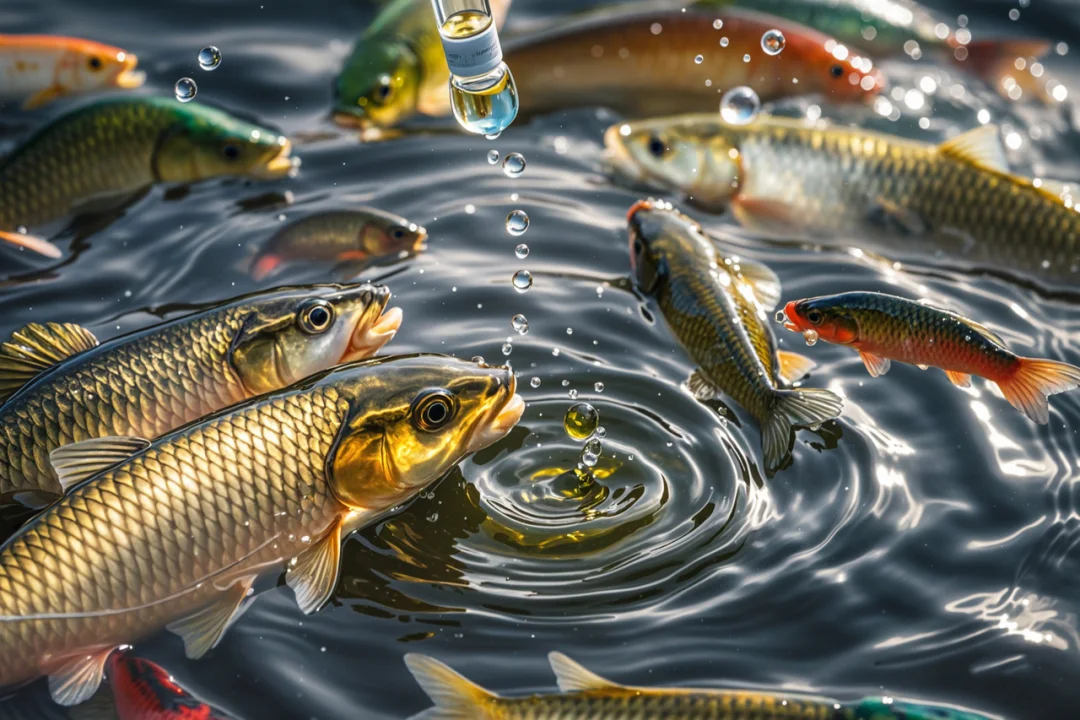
x: 367, y: 339
x: 279, y: 165
x: 502, y: 420
x: 129, y: 77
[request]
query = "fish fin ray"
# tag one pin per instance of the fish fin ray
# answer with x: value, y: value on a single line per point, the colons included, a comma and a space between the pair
x: 455, y: 696
x: 958, y: 379
x: 43, y: 97
x: 795, y: 408
x: 1027, y: 390
x: 78, y: 461
x: 763, y: 281
x: 32, y: 242
x: 101, y: 706
x: 202, y: 630
x: 34, y: 348
x: 574, y: 677
x: 702, y: 387
x: 78, y: 678
x: 985, y: 332
x: 793, y: 366
x: 891, y: 217
x: 313, y: 573
x: 981, y: 146
x: 875, y: 364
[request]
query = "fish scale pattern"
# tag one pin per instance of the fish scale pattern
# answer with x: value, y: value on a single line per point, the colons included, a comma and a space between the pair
x: 630, y: 703
x: 163, y: 534
x: 144, y: 386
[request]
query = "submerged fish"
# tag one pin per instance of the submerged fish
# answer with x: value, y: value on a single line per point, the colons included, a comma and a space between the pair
x: 646, y: 62
x: 174, y: 532
x: 59, y: 386
x: 716, y: 306
x: 397, y: 68
x: 357, y: 238
x: 885, y: 327
x: 43, y: 68
x: 587, y: 696
x: 114, y: 148
x: 836, y: 183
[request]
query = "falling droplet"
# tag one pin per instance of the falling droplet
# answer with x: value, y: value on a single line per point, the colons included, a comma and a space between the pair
x: 493, y: 157
x: 773, y: 42
x: 493, y: 136
x: 185, y: 89
x: 514, y: 165
x: 522, y: 280
x: 573, y: 393
x: 739, y: 106
x: 507, y: 348
x: 478, y: 359
x: 209, y: 58
x: 520, y: 324
x: 599, y: 387
x: 517, y: 222
x: 811, y: 337
x: 590, y: 454
x: 521, y: 251
x: 581, y: 421
x: 601, y: 432
x: 535, y: 382
x: 699, y: 59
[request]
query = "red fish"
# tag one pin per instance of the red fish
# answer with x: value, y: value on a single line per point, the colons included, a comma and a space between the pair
x: 142, y: 690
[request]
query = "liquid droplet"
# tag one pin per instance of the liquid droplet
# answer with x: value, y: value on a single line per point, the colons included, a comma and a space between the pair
x: 573, y: 393
x: 493, y: 157
x: 590, y: 454
x: 811, y: 337
x: 781, y: 316
x: 517, y: 222
x: 185, y: 89
x: 521, y: 251
x: 522, y: 280
x: 209, y: 58
x: 520, y: 324
x: 479, y: 359
x: 581, y: 421
x: 493, y: 136
x: 535, y: 382
x: 599, y: 387
x: 507, y: 348
x: 514, y: 165
x: 773, y: 42
x: 699, y: 59
x: 739, y: 106
x: 601, y: 432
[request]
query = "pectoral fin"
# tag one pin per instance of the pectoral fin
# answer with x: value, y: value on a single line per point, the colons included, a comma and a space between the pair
x: 35, y: 348
x: 875, y: 365
x: 762, y: 281
x: 43, y: 97
x: 572, y: 677
x: 793, y: 366
x: 765, y: 214
x: 78, y: 678
x: 702, y: 387
x: 203, y: 630
x: 78, y: 461
x: 314, y: 572
x: 32, y: 242
x: 958, y: 379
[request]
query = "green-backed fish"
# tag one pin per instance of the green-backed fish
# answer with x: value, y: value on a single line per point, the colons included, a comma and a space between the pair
x: 398, y: 68
x: 59, y: 386
x: 113, y: 148
x: 587, y: 696
x: 884, y: 327
x: 836, y: 184
x: 174, y: 532
x: 355, y: 238
x: 716, y: 305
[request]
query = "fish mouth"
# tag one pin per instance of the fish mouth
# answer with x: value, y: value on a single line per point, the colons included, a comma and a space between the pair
x: 420, y: 242
x: 618, y: 157
x: 349, y: 120
x: 368, y: 338
x: 128, y: 77
x: 502, y: 419
x: 279, y: 165
x: 789, y: 317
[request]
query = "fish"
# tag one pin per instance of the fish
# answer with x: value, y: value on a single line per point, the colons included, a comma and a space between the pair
x: 615, y: 59
x: 358, y: 238
x: 584, y: 695
x: 902, y: 28
x: 43, y: 68
x: 834, y: 184
x: 58, y: 385
x: 397, y: 68
x: 885, y: 327
x: 113, y: 148
x: 174, y: 532
x: 716, y: 305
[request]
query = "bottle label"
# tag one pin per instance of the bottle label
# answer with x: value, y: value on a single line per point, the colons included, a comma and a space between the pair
x: 474, y: 55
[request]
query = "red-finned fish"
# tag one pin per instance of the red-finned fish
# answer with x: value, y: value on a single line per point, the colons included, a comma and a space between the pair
x: 142, y: 690
x: 43, y: 68
x: 885, y: 327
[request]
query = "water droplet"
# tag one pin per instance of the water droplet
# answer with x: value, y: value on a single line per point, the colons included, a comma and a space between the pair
x: 598, y: 387
x: 565, y: 383
x: 433, y: 517
x: 478, y: 359
x: 811, y: 337
x: 569, y: 331
x: 699, y: 59
x: 493, y: 157
x: 209, y: 58
x: 522, y: 280
x: 493, y: 136
x: 773, y: 42
x: 601, y: 432
x: 521, y: 251
x: 555, y: 352
x: 717, y: 24
x: 581, y: 420
x: 739, y: 106
x: 746, y: 58
x: 520, y: 324
x: 573, y: 393
x: 185, y: 89
x: 535, y: 382
x: 781, y: 316
x: 590, y: 454
x: 507, y: 348
x: 514, y: 165
x: 517, y: 222
x: 723, y: 42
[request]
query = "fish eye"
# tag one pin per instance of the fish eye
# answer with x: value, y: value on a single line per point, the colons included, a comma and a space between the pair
x: 657, y: 147
x: 432, y: 410
x: 316, y: 317
x: 638, y: 246
x: 815, y: 317
x: 836, y: 71
x: 397, y: 233
x: 94, y: 63
x: 384, y: 89
x: 231, y: 151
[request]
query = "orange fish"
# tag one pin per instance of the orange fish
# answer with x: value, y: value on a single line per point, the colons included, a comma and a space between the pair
x: 43, y: 68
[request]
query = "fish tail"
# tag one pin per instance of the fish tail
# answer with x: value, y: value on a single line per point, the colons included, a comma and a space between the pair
x: 265, y: 265
x: 1033, y: 381
x: 795, y: 408
x: 994, y: 60
x: 455, y: 697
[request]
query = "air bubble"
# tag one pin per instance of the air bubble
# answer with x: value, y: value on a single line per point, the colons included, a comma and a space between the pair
x: 773, y: 42
x: 811, y: 336
x: 598, y: 387
x: 521, y: 251
x: 209, y: 58
x: 699, y: 59
x: 590, y: 454
x: 581, y: 421
x: 739, y: 106
x: 522, y: 280
x: 493, y: 157
x: 517, y: 222
x: 514, y: 165
x: 507, y: 348
x: 520, y: 324
x: 185, y: 89
x: 535, y: 382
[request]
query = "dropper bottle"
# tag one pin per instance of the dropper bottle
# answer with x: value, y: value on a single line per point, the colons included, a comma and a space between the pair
x: 482, y: 90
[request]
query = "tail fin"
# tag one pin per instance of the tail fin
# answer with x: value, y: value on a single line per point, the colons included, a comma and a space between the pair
x: 795, y: 408
x: 994, y: 60
x: 31, y: 242
x: 455, y: 697
x: 1028, y: 388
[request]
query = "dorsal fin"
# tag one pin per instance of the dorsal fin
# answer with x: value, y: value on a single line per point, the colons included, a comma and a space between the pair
x: 763, y: 281
x: 981, y: 146
x: 572, y: 677
x: 35, y: 348
x: 984, y: 331
x: 78, y: 461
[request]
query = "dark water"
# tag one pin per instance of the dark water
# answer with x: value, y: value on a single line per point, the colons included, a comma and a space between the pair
x: 924, y: 547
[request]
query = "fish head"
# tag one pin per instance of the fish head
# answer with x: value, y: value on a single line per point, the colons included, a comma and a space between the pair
x: 889, y: 709
x: 386, y: 235
x: 829, y: 317
x: 697, y: 156
x: 88, y: 65
x: 829, y: 68
x: 412, y: 419
x: 657, y: 233
x: 206, y: 143
x: 378, y: 87
x: 134, y: 679
x: 290, y: 334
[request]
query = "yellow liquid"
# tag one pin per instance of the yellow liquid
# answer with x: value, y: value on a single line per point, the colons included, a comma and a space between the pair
x: 465, y: 24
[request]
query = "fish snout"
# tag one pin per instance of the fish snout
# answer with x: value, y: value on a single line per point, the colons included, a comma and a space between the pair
x: 369, y: 337
x: 128, y: 77
x: 790, y: 317
x: 502, y: 418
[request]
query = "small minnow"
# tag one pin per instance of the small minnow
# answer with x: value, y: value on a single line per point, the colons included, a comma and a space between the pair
x: 113, y: 148
x: 885, y: 327
x: 716, y: 305
x: 43, y: 68
x: 587, y: 696
x: 357, y: 238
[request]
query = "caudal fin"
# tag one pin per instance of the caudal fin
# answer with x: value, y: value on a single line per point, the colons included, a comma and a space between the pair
x: 795, y: 408
x: 995, y: 60
x: 455, y: 697
x: 1027, y: 390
